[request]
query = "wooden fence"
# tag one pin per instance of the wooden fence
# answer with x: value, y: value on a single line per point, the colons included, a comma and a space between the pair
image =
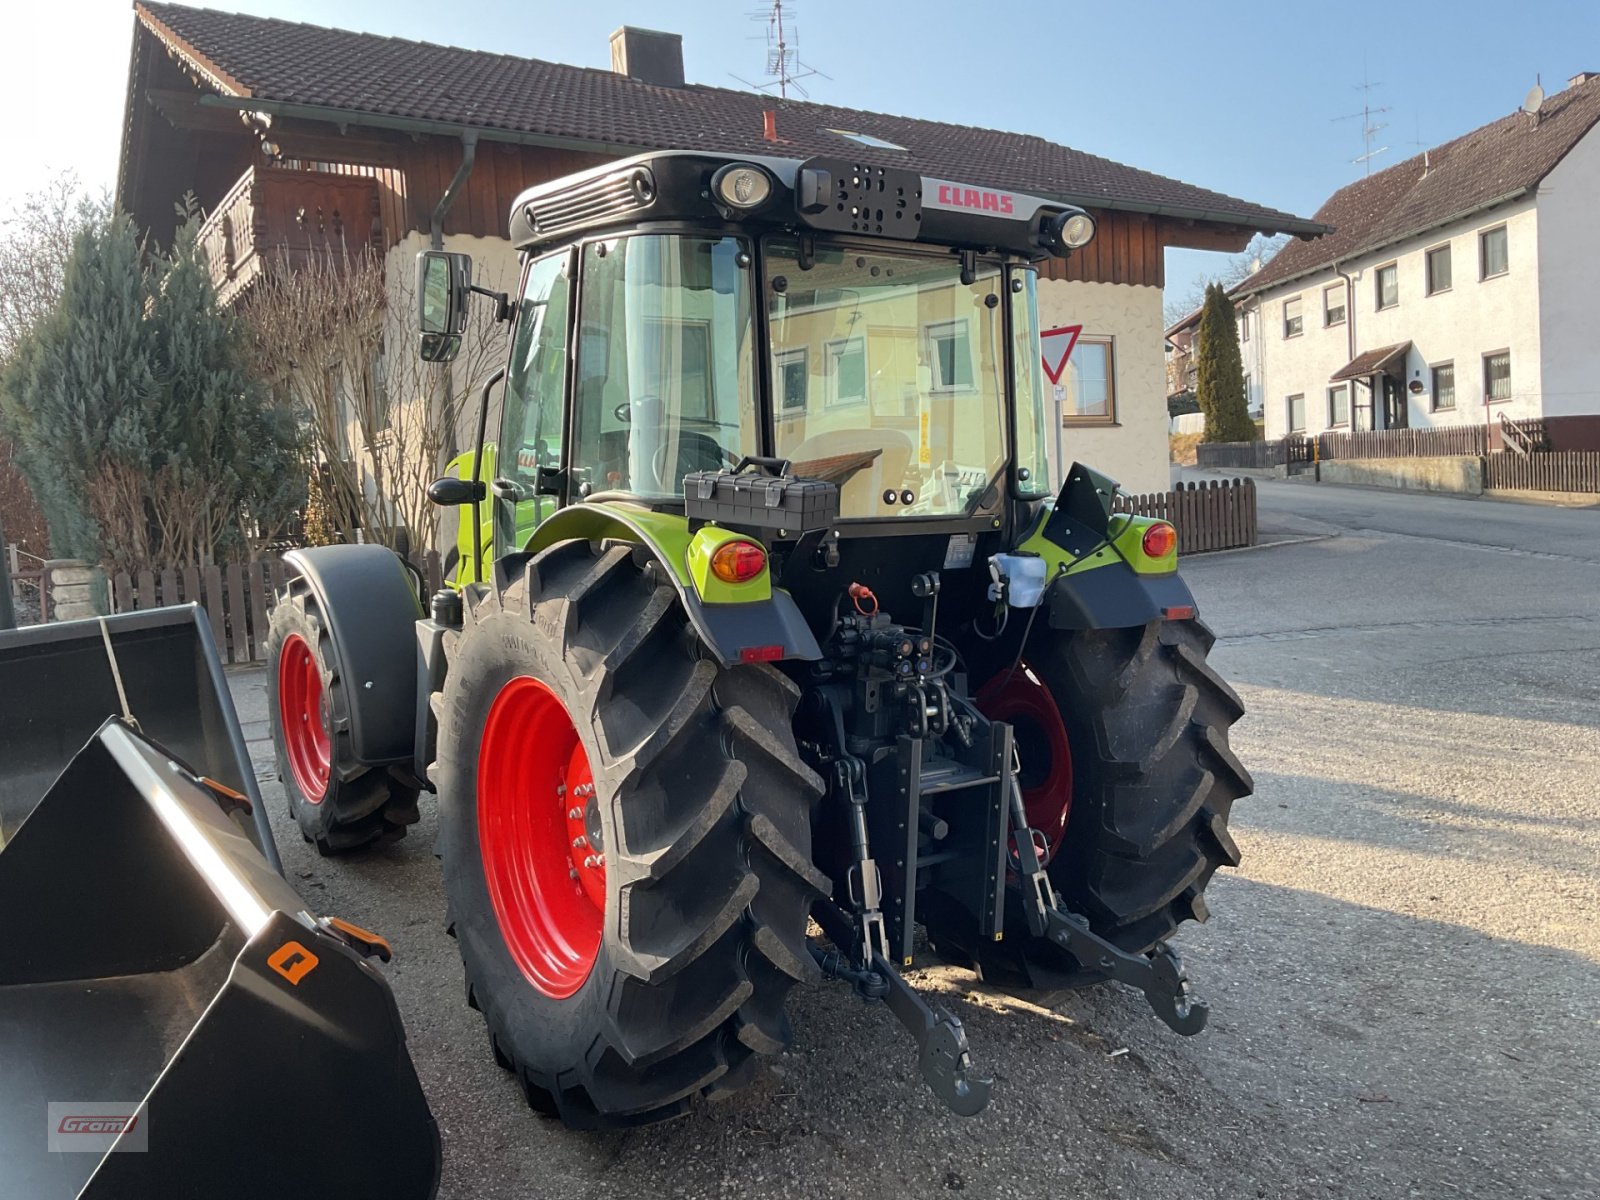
x: 1233, y: 455
x: 1216, y: 514
x: 237, y: 598
x: 1544, y: 470
x: 1442, y: 442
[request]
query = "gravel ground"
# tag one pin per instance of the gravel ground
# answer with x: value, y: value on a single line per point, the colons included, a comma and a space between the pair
x: 1404, y: 973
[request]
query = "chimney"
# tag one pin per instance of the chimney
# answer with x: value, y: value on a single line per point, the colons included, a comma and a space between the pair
x: 1582, y: 77
x: 648, y: 56
x: 769, y: 124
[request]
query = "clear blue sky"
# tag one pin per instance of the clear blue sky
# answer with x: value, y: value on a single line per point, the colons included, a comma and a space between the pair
x: 1237, y: 97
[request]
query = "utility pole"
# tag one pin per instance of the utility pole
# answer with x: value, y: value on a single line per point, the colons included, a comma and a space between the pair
x: 8, y: 611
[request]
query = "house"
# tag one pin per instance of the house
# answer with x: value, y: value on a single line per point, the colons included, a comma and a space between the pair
x: 294, y: 137
x: 1456, y: 288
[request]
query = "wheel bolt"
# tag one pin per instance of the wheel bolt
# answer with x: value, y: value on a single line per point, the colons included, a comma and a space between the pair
x: 574, y: 814
x: 591, y: 862
x: 578, y: 843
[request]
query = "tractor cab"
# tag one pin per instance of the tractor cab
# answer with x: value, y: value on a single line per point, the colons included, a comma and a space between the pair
x: 681, y: 313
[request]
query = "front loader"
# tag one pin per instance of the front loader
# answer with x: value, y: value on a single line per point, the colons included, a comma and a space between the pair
x: 764, y: 612
x: 167, y: 1003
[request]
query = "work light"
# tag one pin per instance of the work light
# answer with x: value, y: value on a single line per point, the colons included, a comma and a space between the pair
x: 742, y: 186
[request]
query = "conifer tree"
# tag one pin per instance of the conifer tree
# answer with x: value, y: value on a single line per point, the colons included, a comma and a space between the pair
x: 1219, y: 372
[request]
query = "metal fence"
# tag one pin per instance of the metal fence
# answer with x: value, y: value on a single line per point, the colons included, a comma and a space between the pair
x: 1544, y: 471
x: 1233, y: 455
x: 1215, y: 514
x: 237, y: 598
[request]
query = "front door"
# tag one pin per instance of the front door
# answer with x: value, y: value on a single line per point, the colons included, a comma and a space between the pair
x: 1396, y: 409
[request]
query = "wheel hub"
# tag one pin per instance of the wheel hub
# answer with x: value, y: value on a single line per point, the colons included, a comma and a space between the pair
x: 546, y: 876
x: 1025, y: 703
x: 303, y: 718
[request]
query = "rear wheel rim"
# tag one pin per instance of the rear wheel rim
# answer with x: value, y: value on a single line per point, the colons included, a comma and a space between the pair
x: 303, y: 716
x: 1026, y: 704
x: 537, y: 829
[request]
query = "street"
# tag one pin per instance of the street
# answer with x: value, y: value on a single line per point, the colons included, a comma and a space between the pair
x: 1404, y: 973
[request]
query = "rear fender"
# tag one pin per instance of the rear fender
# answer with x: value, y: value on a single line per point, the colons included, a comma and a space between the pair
x: 1101, y: 576
x: 753, y: 630
x: 370, y: 604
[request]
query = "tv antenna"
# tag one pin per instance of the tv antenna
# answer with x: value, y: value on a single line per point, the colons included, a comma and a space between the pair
x: 1369, y: 127
x: 784, y: 69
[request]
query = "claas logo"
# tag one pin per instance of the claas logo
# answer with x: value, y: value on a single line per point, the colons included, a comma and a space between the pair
x: 97, y: 1124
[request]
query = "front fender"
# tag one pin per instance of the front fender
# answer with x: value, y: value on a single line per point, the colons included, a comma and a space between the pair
x: 748, y: 631
x: 366, y: 598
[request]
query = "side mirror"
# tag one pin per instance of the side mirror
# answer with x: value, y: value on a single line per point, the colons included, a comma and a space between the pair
x: 444, y: 281
x: 450, y: 491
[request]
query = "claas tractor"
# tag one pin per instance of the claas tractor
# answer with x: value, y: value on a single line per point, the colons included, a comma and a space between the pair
x: 771, y: 656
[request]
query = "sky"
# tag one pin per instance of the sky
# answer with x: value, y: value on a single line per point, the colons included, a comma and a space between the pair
x: 1243, y: 98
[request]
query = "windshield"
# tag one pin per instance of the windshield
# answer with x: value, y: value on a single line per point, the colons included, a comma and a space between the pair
x: 888, y: 377
x: 665, y: 360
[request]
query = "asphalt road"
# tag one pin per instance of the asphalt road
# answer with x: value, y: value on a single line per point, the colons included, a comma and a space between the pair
x: 1404, y: 973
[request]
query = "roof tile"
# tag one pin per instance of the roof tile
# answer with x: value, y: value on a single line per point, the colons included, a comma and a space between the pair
x: 364, y: 73
x: 1493, y: 163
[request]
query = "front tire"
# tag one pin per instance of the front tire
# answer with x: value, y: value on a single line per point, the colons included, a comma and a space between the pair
x: 339, y: 803
x: 660, y: 972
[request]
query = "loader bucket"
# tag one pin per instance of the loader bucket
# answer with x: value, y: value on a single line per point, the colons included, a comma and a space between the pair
x: 173, y: 1023
x: 58, y: 684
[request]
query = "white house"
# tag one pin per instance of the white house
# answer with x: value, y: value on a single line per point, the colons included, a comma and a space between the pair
x: 1457, y: 287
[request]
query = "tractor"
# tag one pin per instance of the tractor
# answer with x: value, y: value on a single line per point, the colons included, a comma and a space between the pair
x: 771, y: 654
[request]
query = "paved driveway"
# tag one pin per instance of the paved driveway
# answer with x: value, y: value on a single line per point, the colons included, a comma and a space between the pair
x: 1404, y: 973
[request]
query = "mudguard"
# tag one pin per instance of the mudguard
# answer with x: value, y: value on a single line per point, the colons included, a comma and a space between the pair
x: 748, y: 631
x: 1101, y: 577
x: 370, y: 603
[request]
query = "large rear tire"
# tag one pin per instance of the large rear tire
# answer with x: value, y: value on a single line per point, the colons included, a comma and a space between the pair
x: 1152, y: 783
x: 339, y: 803
x: 581, y: 713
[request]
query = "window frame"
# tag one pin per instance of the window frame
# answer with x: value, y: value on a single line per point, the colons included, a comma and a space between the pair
x: 1433, y: 385
x: 1289, y: 421
x: 1428, y: 287
x: 782, y: 359
x: 959, y: 329
x: 1393, y: 267
x: 1344, y: 305
x: 1488, y: 397
x: 1483, y: 259
x: 1299, y: 316
x: 1109, y: 417
x: 1244, y: 325
x: 1334, y: 423
x: 834, y: 350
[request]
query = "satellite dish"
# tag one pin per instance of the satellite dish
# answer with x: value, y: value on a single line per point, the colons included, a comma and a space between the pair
x: 1534, y: 100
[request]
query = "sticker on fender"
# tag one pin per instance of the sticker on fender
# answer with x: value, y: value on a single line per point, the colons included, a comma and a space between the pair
x: 293, y: 961
x: 960, y: 551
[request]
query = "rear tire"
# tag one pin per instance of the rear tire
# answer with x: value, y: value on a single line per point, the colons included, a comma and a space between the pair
x: 704, y: 811
x: 1153, y: 784
x: 339, y: 803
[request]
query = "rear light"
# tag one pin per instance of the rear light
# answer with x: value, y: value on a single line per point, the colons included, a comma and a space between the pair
x: 756, y: 654
x: 1178, y: 612
x: 738, y: 562
x: 1160, y: 540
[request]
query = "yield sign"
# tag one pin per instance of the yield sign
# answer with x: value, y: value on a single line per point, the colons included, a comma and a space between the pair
x: 1056, y: 346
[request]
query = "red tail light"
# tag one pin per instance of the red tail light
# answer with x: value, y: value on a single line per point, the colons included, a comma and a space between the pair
x: 738, y: 562
x: 1160, y: 540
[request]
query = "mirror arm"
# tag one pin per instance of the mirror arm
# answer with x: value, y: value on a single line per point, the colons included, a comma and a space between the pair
x: 503, y: 308
x: 477, y: 466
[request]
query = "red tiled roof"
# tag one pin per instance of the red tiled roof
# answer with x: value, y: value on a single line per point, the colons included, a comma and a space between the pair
x: 1498, y: 162
x: 1372, y: 362
x: 286, y: 63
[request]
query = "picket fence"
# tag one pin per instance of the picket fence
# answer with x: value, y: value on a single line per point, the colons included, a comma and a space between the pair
x: 237, y: 598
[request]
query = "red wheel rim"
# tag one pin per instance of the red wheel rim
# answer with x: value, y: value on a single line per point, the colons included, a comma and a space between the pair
x: 303, y: 717
x: 540, y: 837
x: 1024, y: 703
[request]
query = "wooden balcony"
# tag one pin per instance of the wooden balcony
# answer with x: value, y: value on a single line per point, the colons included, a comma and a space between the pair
x: 274, y: 218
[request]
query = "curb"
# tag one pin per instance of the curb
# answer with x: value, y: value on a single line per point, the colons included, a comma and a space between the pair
x: 1290, y: 541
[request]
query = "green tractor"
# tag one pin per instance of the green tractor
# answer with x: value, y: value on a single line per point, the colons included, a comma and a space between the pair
x: 767, y: 616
